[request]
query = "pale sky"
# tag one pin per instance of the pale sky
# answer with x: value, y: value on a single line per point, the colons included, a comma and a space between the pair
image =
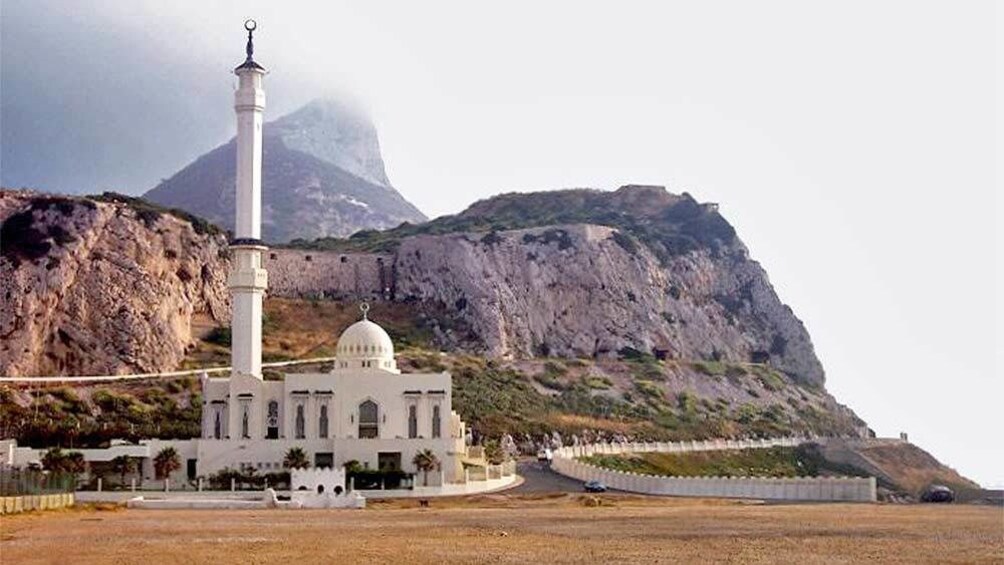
x: 851, y: 144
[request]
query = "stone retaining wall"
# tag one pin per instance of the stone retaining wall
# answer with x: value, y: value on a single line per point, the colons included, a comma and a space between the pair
x: 801, y: 488
x: 298, y: 273
x: 26, y: 502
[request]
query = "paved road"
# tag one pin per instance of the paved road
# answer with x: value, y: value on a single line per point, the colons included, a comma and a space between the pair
x: 538, y: 477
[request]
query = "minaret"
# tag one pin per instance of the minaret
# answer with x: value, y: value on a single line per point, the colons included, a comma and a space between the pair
x: 248, y: 280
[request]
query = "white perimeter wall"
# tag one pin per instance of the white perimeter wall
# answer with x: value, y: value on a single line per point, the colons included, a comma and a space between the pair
x: 801, y: 488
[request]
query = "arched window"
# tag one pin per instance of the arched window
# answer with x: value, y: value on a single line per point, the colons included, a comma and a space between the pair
x: 245, y: 428
x: 368, y: 423
x: 412, y: 422
x: 272, y: 420
x: 300, y: 424
x: 217, y: 427
x: 436, y: 425
x: 322, y: 422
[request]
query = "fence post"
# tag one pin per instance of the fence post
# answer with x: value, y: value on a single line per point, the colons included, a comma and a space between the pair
x: 132, y: 485
x: 166, y: 484
x: 233, y: 484
x: 200, y: 484
x: 99, y: 484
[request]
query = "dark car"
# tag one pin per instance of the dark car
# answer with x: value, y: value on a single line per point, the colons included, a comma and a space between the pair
x: 595, y: 486
x: 938, y: 493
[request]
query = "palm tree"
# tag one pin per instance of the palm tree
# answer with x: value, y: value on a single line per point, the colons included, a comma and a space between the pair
x: 166, y: 462
x: 58, y: 462
x: 123, y: 464
x: 295, y: 458
x: 425, y: 461
x: 53, y: 460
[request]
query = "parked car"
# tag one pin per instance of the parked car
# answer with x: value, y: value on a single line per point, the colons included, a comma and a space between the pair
x: 544, y: 455
x: 938, y: 493
x: 594, y: 486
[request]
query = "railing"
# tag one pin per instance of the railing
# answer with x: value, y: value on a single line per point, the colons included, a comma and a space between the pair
x: 17, y: 482
x: 161, y: 375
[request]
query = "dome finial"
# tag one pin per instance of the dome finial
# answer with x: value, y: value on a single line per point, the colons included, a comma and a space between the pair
x: 364, y: 308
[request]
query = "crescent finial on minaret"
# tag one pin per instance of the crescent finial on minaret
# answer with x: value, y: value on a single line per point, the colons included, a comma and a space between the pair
x: 250, y: 25
x: 249, y: 63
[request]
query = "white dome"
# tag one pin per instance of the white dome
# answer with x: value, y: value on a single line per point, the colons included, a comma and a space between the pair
x: 365, y: 345
x: 365, y: 340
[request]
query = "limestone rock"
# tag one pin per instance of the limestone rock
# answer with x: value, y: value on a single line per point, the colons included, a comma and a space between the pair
x: 95, y: 287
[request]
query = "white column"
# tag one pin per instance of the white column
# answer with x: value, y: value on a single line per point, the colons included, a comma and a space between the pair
x: 248, y: 280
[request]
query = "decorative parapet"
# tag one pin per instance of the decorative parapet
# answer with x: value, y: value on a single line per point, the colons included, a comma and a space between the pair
x: 332, y: 479
x: 566, y: 462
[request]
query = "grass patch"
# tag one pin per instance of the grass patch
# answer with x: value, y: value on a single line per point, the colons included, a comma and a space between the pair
x: 802, y: 461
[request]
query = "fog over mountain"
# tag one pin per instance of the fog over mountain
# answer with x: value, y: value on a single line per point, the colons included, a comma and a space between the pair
x: 322, y: 176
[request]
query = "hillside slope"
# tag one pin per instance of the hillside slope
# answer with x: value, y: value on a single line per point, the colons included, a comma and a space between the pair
x: 640, y: 397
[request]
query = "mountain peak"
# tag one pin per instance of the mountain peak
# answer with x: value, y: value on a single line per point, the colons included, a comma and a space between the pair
x: 337, y: 132
x: 323, y: 176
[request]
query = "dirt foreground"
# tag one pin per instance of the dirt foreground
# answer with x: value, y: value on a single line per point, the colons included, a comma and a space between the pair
x: 514, y: 529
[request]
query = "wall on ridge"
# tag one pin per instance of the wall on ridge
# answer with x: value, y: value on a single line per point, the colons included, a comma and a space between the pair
x: 298, y: 273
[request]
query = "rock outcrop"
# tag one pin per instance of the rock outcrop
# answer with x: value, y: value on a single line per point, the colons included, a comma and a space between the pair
x: 573, y: 291
x: 92, y: 287
x: 323, y: 176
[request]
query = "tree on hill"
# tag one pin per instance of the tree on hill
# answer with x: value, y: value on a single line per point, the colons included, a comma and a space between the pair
x: 425, y: 461
x: 295, y: 458
x: 166, y: 462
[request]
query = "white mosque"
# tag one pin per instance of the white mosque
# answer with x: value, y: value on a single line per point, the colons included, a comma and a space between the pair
x: 364, y: 409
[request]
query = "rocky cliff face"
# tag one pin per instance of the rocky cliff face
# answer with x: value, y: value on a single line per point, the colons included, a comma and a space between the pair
x: 574, y: 291
x: 534, y: 275
x: 92, y: 287
x: 322, y: 176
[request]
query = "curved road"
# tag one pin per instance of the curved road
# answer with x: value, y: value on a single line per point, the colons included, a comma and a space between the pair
x: 538, y: 477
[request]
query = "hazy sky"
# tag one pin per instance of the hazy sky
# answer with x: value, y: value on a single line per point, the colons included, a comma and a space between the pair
x: 852, y: 144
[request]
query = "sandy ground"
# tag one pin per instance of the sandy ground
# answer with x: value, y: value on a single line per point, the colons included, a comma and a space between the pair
x: 515, y: 529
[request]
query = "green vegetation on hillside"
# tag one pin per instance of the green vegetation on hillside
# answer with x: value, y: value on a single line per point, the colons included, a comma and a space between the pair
x: 673, y: 228
x: 801, y: 461
x: 150, y: 212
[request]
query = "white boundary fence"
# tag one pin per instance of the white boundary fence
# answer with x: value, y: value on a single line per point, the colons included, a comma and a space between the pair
x: 566, y: 463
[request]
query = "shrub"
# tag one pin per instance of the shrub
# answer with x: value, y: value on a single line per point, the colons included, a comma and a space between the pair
x: 686, y: 402
x: 220, y: 335
x: 710, y: 368
x: 626, y: 242
x: 650, y: 390
x: 596, y: 382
